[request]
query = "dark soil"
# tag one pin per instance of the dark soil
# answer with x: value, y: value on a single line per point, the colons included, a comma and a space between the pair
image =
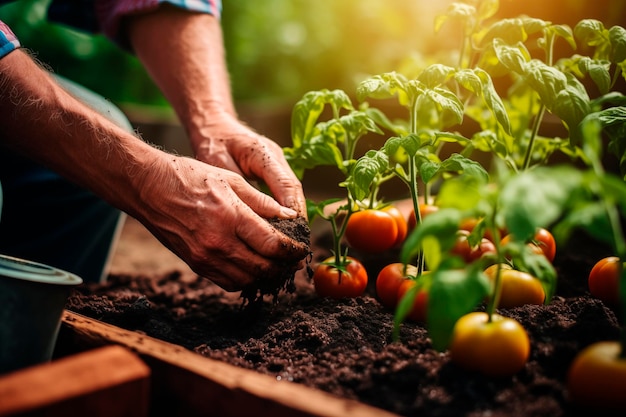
x: 345, y: 347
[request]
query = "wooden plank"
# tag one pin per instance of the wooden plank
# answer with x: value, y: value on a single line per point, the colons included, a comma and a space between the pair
x: 110, y: 381
x: 186, y: 383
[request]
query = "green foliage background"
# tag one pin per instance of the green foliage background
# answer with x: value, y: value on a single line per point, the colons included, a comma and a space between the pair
x: 277, y: 50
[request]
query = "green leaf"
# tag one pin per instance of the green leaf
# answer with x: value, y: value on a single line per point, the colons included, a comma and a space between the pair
x: 384, y: 86
x: 366, y: 169
x: 456, y: 10
x: 442, y: 224
x: 436, y: 75
x: 512, y: 57
x: 461, y: 193
x: 452, y: 294
x: 617, y: 38
x: 446, y: 101
x: 588, y: 216
x: 307, y: 111
x: 536, y: 198
x: 513, y: 30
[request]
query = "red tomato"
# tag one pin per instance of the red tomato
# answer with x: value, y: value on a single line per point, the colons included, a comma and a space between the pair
x: 372, y: 231
x: 498, y: 348
x: 389, y: 280
x: 403, y: 228
x: 544, y: 239
x: 419, y: 310
x: 517, y: 288
x: 468, y: 253
x: 330, y: 282
x: 597, y: 377
x: 604, y: 280
x: 425, y: 210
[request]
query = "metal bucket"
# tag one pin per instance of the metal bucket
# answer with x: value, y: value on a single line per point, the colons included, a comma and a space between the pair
x: 32, y: 299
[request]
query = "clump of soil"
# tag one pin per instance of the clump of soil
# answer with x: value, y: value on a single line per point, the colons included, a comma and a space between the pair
x: 345, y: 346
x: 282, y: 279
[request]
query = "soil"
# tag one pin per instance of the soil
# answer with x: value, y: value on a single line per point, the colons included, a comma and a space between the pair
x: 344, y: 346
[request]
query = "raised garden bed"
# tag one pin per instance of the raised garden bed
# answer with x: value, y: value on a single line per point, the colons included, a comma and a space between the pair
x: 345, y: 348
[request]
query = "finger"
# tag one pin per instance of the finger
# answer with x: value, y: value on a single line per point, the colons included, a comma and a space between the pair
x: 261, y: 203
x: 280, y: 179
x: 266, y: 240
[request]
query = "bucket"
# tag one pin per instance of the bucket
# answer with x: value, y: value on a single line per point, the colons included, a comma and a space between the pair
x: 32, y: 300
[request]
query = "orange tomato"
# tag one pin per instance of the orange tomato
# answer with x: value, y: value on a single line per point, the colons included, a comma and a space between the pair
x: 604, y: 280
x: 597, y: 377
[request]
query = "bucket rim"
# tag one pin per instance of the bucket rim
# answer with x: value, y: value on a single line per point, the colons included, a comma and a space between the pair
x: 17, y: 268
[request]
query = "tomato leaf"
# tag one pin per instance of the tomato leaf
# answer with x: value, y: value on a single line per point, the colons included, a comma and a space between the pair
x: 452, y: 294
x: 536, y: 198
x: 442, y: 224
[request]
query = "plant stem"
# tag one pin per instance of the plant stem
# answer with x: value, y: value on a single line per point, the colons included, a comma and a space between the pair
x: 416, y: 209
x: 495, y: 298
x: 533, y: 136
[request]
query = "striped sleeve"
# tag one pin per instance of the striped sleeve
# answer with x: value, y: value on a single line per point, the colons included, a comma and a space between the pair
x: 8, y: 41
x: 110, y: 12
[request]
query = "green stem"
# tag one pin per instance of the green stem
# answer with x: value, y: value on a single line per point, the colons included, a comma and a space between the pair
x: 533, y: 136
x: 495, y: 298
x: 416, y: 209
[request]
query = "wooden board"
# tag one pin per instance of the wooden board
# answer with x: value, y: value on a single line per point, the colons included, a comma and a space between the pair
x: 185, y: 383
x: 110, y: 381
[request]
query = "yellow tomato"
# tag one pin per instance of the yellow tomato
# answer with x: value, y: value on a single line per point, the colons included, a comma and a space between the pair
x: 597, y: 377
x: 498, y: 348
x: 517, y: 288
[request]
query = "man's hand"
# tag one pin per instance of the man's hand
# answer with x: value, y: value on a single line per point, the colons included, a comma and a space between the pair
x: 229, y: 144
x: 215, y: 221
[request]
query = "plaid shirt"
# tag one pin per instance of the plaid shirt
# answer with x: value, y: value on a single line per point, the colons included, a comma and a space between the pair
x: 102, y: 16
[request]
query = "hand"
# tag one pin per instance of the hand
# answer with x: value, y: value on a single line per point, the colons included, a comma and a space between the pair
x: 229, y: 144
x: 214, y: 220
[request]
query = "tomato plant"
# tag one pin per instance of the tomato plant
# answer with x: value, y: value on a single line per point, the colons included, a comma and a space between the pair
x: 496, y: 347
x: 597, y: 377
x: 517, y: 288
x: 604, y: 278
x: 333, y: 282
x: 389, y: 280
x: 372, y: 231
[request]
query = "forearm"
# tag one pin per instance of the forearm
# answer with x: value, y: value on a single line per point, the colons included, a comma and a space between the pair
x: 187, y: 63
x: 41, y: 121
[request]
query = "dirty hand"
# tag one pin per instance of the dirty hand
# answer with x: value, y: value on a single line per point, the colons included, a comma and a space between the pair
x: 229, y: 144
x: 215, y: 221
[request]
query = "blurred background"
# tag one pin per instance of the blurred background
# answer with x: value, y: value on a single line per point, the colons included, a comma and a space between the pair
x: 276, y: 52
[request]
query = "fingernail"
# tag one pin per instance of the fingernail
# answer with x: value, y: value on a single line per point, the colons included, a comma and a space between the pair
x: 286, y: 212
